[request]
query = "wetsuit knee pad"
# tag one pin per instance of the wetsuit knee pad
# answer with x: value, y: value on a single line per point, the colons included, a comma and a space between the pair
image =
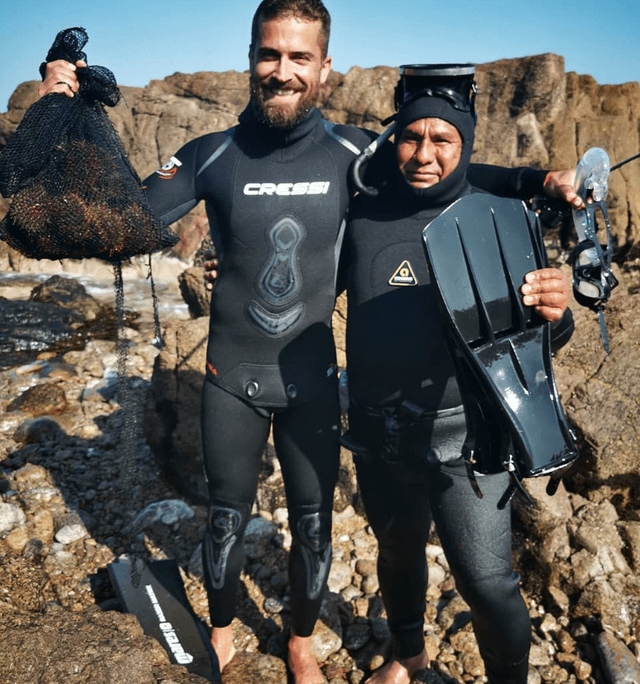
x: 312, y: 535
x: 225, y: 529
x: 499, y: 589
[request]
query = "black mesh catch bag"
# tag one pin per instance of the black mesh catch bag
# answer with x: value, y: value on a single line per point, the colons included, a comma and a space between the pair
x: 74, y: 193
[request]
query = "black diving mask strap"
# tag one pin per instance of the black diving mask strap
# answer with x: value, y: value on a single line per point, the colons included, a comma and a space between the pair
x: 454, y: 98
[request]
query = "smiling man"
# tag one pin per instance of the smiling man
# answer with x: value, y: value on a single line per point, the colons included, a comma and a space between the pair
x: 276, y: 193
x: 286, y: 74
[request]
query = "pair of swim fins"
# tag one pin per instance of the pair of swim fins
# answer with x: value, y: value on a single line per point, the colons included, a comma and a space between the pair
x: 479, y: 251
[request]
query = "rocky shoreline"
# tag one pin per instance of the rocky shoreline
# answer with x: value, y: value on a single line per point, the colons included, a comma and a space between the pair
x: 72, y: 501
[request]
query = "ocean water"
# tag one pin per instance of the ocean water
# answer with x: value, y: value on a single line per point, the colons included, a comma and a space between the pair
x: 137, y: 288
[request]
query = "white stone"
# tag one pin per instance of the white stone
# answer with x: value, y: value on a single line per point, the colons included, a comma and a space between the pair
x: 339, y: 576
x: 437, y: 575
x: 168, y: 512
x: 11, y: 516
x: 344, y: 515
x: 70, y: 533
x: 280, y: 516
x: 259, y: 529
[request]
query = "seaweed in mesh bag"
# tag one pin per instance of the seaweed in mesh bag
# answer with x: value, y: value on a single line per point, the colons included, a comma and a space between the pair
x: 74, y: 193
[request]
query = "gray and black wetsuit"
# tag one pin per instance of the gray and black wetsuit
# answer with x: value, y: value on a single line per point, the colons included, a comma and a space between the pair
x: 276, y: 202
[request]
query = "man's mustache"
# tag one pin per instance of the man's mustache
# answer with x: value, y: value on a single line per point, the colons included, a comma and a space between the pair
x: 274, y: 84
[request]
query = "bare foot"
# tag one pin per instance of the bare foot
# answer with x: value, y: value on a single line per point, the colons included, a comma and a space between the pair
x: 304, y: 667
x: 399, y: 671
x: 222, y: 642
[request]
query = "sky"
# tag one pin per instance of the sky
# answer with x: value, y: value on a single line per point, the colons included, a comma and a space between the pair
x: 140, y: 42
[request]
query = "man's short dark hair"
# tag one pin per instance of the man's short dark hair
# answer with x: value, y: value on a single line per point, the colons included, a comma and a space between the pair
x: 307, y: 10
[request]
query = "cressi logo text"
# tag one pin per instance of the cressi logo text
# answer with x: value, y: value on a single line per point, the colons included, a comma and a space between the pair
x: 287, y: 189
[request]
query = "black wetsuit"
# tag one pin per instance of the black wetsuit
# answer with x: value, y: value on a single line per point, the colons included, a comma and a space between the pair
x: 276, y: 202
x: 398, y: 366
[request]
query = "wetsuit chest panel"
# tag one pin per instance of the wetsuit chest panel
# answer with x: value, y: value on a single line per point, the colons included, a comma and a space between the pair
x: 276, y: 205
x: 283, y: 227
x: 281, y: 224
x: 395, y: 345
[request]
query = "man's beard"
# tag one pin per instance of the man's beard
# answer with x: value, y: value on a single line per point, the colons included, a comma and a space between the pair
x: 278, y: 115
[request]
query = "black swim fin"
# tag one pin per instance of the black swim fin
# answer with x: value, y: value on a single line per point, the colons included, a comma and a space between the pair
x: 155, y: 594
x: 479, y: 251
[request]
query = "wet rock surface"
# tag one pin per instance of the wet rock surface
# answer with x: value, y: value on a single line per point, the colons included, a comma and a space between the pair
x: 70, y: 504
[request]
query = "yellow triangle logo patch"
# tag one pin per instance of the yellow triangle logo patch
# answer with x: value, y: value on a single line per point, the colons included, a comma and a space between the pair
x: 403, y: 276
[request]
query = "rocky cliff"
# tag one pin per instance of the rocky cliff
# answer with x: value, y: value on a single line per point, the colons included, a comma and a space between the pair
x: 530, y: 113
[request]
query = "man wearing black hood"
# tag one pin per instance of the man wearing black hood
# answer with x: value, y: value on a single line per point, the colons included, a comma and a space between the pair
x: 397, y: 357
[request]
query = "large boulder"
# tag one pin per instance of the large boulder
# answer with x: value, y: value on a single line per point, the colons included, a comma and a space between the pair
x: 601, y: 392
x: 172, y: 411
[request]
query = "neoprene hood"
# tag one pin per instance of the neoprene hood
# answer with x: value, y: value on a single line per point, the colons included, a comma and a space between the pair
x: 444, y: 91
